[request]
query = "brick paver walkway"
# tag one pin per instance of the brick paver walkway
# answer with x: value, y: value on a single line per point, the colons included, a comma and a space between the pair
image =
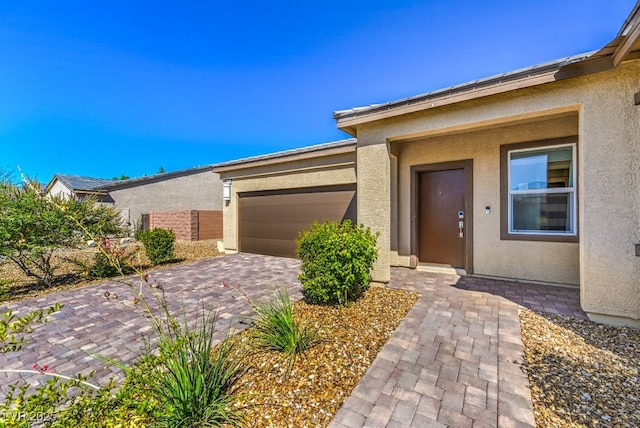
x: 456, y: 359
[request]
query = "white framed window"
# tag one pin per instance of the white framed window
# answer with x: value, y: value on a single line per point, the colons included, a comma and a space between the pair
x: 541, y: 194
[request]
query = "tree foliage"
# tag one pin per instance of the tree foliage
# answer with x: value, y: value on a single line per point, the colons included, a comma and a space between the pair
x: 33, y: 226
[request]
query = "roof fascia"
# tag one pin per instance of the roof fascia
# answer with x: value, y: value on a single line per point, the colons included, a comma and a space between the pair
x: 51, y: 183
x: 625, y: 47
x: 284, y: 158
x: 154, y: 178
x: 630, y: 42
x: 349, y: 124
x: 91, y: 192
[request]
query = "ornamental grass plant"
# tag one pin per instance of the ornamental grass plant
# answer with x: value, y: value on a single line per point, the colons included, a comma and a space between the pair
x: 195, y: 381
x: 276, y: 329
x: 189, y: 382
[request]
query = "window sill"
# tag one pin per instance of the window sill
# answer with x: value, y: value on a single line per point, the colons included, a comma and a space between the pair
x: 538, y: 238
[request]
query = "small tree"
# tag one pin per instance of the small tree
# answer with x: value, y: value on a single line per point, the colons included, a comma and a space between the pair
x: 337, y: 258
x: 33, y: 226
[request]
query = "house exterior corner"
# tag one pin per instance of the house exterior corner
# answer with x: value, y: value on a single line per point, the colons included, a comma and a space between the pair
x: 588, y: 131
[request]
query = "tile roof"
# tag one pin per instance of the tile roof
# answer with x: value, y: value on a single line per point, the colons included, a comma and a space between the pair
x: 625, y: 46
x: 468, y: 86
x: 118, y: 184
x: 79, y: 183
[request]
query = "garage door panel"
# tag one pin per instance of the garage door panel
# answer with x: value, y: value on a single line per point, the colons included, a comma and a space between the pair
x: 275, y: 230
x: 289, y: 211
x: 272, y: 247
x: 259, y: 208
x: 270, y: 223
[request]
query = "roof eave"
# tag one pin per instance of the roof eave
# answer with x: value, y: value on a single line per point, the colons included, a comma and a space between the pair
x: 91, y: 192
x: 345, y: 146
x: 153, y: 178
x: 51, y: 183
x: 625, y: 47
x: 629, y: 47
x: 349, y: 121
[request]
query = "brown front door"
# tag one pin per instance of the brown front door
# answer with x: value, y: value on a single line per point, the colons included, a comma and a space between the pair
x: 441, y: 217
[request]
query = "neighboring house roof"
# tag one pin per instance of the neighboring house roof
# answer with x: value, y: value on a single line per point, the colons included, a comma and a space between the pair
x: 325, y: 149
x: 99, y: 185
x: 120, y: 184
x: 77, y: 183
x: 626, y: 46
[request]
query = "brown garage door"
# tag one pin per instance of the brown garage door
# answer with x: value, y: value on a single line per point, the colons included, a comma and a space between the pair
x: 270, y: 221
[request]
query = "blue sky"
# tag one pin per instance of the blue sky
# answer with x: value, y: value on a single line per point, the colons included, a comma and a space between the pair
x: 123, y: 87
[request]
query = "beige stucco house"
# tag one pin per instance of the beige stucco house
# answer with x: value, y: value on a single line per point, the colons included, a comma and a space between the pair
x: 271, y: 198
x: 75, y: 186
x: 531, y: 175
x: 187, y: 189
x: 188, y: 201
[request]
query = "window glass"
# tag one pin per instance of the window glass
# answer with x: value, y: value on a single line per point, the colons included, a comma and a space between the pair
x: 542, y: 212
x: 541, y: 192
x: 541, y: 169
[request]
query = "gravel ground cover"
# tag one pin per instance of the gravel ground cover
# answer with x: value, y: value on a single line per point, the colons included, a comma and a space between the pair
x: 581, y: 373
x: 307, y: 394
x: 14, y: 285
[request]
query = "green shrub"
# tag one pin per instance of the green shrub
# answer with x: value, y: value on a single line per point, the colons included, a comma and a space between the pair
x: 277, y: 330
x: 337, y: 258
x: 138, y: 234
x: 102, y: 267
x: 158, y: 245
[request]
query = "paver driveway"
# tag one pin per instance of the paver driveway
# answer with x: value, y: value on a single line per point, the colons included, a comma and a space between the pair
x: 456, y: 359
x: 91, y: 324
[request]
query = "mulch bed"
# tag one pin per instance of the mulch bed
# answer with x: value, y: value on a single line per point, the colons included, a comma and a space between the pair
x: 15, y: 285
x: 308, y: 394
x: 581, y: 373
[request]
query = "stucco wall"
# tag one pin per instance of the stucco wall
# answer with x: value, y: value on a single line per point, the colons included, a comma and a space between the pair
x: 374, y: 181
x: 608, y: 128
x: 197, y: 191
x: 610, y: 195
x: 318, y: 171
x: 541, y: 261
x: 59, y: 189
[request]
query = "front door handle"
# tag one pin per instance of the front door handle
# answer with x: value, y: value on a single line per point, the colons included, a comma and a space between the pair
x: 461, y: 229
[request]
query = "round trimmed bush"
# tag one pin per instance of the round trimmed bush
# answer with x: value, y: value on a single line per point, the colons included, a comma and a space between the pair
x: 337, y: 258
x: 158, y: 245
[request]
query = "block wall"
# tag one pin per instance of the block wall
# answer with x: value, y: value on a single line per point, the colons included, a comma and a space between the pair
x: 193, y: 225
